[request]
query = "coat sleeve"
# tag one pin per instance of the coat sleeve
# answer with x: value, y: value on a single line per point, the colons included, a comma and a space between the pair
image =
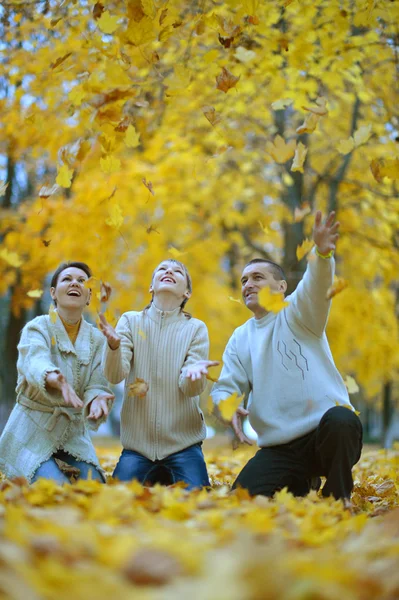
x: 97, y: 385
x: 308, y: 306
x: 198, y: 350
x: 117, y: 363
x: 35, y: 361
x: 233, y: 378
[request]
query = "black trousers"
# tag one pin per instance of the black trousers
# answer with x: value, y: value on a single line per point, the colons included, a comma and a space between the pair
x: 330, y: 450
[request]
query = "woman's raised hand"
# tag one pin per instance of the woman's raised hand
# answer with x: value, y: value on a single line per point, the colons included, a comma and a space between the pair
x: 57, y: 381
x: 109, y: 332
x: 99, y: 406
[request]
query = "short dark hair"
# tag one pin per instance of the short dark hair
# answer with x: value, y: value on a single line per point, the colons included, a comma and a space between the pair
x: 66, y: 265
x: 276, y: 270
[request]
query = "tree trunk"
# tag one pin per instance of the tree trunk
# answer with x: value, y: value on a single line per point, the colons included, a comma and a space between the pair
x: 387, y: 415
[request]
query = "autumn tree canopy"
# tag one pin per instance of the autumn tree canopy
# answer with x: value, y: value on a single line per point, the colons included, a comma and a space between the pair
x: 209, y: 131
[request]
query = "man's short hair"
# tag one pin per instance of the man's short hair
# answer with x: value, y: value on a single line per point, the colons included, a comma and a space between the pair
x: 276, y: 270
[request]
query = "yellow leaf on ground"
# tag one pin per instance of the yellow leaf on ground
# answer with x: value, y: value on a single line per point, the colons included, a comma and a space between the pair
x: 52, y: 313
x: 107, y: 23
x: 109, y: 164
x: 115, y: 218
x: 281, y: 104
x: 35, y: 293
x: 132, y: 138
x: 299, y: 158
x: 304, y: 248
x: 64, y: 177
x: 351, y: 385
x: 138, y: 388
x: 228, y: 406
x: 12, y: 258
x: 337, y: 287
x: 226, y: 80
x: 271, y: 301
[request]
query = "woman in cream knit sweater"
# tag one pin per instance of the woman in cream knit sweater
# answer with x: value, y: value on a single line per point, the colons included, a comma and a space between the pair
x: 162, y: 353
x: 61, y: 390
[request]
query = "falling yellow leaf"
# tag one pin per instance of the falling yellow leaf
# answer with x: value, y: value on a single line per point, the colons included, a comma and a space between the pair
x: 52, y: 313
x: 3, y: 187
x: 226, y: 80
x: 337, y: 287
x: 235, y: 300
x: 110, y: 164
x: 385, y: 167
x: 142, y: 334
x: 271, y: 301
x: 148, y: 185
x: 304, y: 248
x: 282, y: 104
x: 47, y: 191
x: 299, y: 158
x: 320, y: 109
x: 138, y: 388
x: 64, y: 177
x: 175, y: 252
x: 132, y: 138
x: 309, y: 125
x: 243, y: 55
x: 115, y: 218
x: 228, y: 406
x: 91, y: 283
x: 107, y: 23
x: 12, y: 258
x: 351, y: 385
x: 77, y: 95
x: 105, y: 291
x: 301, y: 212
x: 35, y: 293
x: 280, y: 150
x: 210, y: 113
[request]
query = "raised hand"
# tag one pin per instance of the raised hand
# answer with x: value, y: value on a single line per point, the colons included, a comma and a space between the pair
x: 109, y: 332
x: 325, y: 234
x: 57, y: 381
x: 236, y: 423
x: 99, y: 406
x: 200, y: 368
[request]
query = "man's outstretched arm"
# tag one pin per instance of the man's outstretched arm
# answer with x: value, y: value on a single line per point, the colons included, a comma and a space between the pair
x: 309, y: 305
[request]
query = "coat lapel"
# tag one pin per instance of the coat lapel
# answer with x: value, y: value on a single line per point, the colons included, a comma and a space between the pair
x: 83, y: 345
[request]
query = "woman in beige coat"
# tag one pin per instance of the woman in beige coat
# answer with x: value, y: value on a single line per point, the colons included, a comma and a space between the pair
x: 61, y: 390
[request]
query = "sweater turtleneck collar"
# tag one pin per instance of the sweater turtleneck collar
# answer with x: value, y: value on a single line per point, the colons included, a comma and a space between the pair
x: 265, y: 320
x: 158, y: 315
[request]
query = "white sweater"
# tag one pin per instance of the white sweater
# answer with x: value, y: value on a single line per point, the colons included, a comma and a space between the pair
x: 157, y: 346
x: 283, y: 364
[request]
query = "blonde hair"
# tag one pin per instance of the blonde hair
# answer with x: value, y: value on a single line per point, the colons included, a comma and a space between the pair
x: 188, y: 282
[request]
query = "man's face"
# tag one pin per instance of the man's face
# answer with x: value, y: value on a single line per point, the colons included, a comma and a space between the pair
x: 255, y: 277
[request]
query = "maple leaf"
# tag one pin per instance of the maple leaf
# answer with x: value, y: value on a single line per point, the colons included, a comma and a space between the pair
x: 12, y: 258
x: 300, y: 213
x: 361, y: 136
x: 385, y: 167
x: 299, y: 158
x: 105, y: 291
x: 98, y: 10
x: 110, y: 164
x: 148, y: 185
x: 271, y: 301
x: 281, y: 104
x: 64, y: 177
x: 46, y: 243
x: 107, y: 23
x: 320, y: 109
x: 3, y: 187
x: 337, y: 287
x: 309, y: 125
x: 228, y: 406
x: 138, y: 388
x: 304, y: 248
x: 116, y: 217
x: 132, y: 138
x: 351, y: 385
x: 210, y: 113
x: 35, y: 293
x: 280, y: 150
x: 226, y: 80
x: 46, y: 191
x: 52, y: 313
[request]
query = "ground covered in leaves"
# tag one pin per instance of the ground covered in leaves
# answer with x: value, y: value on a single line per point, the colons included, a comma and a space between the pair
x: 119, y: 541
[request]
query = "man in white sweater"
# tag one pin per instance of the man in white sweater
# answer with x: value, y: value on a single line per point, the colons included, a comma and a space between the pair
x: 282, y: 364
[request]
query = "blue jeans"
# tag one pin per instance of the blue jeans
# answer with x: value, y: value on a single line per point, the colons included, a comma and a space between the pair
x: 187, y: 465
x: 50, y: 470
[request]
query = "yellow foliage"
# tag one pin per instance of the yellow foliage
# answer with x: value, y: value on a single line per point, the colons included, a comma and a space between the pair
x: 271, y: 301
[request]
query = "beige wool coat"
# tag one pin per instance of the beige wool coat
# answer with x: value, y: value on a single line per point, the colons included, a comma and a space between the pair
x: 41, y: 423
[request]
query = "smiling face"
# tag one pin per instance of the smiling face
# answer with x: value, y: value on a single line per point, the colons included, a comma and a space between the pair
x: 255, y: 277
x: 170, y: 277
x: 69, y: 291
